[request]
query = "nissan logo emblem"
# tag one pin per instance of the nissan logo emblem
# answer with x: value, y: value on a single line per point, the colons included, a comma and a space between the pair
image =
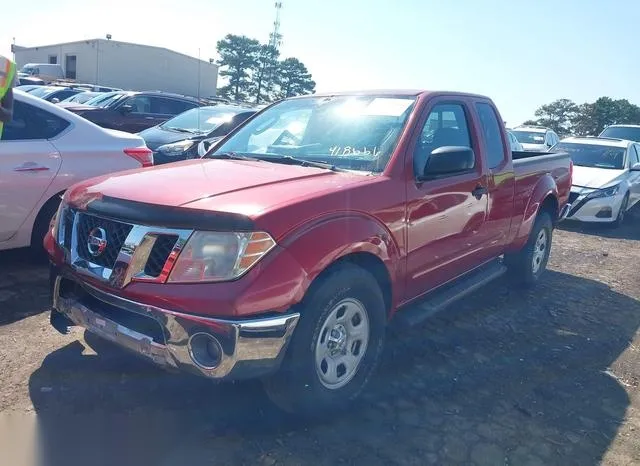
x: 97, y: 241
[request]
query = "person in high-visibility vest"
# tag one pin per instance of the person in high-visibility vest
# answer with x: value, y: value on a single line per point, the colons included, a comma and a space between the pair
x: 7, y: 77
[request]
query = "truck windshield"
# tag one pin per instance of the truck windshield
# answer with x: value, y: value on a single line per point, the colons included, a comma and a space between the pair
x: 622, y: 132
x: 529, y: 137
x: 30, y: 70
x: 592, y: 155
x: 348, y: 132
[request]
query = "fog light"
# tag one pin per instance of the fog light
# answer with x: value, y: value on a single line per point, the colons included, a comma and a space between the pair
x: 205, y: 350
x: 605, y: 212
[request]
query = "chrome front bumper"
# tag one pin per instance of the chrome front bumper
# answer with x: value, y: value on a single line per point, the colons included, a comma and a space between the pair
x: 249, y: 348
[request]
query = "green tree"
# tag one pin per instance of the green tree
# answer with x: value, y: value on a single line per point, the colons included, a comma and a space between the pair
x: 294, y: 79
x: 265, y: 73
x: 238, y: 58
x: 592, y: 118
x: 558, y: 115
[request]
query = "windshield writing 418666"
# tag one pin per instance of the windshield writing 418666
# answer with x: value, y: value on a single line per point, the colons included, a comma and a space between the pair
x: 349, y: 150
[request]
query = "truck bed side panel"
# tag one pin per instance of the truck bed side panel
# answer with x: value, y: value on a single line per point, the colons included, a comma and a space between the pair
x: 536, y: 178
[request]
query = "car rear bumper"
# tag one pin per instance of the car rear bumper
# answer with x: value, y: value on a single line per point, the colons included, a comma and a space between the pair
x: 214, y: 348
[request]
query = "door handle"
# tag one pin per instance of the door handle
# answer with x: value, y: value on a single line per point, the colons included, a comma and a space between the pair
x: 30, y: 167
x: 479, y: 191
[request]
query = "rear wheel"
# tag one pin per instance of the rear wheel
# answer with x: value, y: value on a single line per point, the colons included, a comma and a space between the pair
x: 336, y: 345
x: 527, y: 265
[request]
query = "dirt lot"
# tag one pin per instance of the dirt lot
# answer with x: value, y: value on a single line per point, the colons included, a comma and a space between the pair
x: 550, y: 376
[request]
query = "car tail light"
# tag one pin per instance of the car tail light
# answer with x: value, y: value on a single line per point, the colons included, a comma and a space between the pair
x: 144, y: 155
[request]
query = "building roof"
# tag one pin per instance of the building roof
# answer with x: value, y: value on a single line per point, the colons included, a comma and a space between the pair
x: 21, y: 48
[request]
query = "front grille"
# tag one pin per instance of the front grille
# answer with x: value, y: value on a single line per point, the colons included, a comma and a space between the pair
x: 116, y: 234
x: 67, y: 221
x: 159, y: 254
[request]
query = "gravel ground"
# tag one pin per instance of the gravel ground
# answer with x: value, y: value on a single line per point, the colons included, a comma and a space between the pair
x: 548, y: 376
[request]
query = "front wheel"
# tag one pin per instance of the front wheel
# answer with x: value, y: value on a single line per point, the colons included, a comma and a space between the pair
x: 336, y: 345
x: 622, y: 213
x: 527, y: 265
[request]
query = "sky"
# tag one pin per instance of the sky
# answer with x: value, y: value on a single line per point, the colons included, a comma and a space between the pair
x: 521, y: 54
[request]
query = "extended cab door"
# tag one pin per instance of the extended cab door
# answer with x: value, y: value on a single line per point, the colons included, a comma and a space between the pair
x: 28, y: 163
x: 445, y: 215
x: 500, y: 181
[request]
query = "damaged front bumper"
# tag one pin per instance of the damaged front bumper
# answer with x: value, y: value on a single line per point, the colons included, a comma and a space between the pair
x: 214, y: 348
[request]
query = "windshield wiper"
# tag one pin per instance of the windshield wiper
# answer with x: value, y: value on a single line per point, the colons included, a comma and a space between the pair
x: 179, y: 130
x: 302, y: 162
x: 231, y: 156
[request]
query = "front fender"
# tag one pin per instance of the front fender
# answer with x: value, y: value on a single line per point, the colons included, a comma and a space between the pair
x: 545, y: 187
x: 318, y: 244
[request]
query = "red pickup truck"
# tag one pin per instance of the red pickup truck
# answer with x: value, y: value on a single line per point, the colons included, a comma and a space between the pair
x: 287, y: 249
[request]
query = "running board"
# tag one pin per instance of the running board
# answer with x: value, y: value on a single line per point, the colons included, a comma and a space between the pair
x: 441, y: 298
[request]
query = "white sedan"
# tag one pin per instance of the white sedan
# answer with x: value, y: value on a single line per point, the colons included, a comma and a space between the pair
x: 44, y: 150
x: 606, y: 178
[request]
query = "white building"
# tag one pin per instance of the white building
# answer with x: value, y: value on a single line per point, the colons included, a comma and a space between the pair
x: 126, y: 65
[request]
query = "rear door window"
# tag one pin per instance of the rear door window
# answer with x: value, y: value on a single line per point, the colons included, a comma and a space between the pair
x: 492, y: 132
x: 32, y: 123
x: 163, y: 106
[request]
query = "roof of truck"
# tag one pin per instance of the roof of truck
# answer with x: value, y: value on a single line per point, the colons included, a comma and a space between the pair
x: 390, y: 93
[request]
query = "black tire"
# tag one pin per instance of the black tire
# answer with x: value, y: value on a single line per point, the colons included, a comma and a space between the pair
x: 297, y: 388
x: 622, y: 213
x: 41, y: 226
x: 521, y: 264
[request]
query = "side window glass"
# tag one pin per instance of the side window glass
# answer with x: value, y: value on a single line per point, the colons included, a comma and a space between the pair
x: 140, y: 104
x: 32, y: 123
x: 634, y: 156
x: 164, y: 106
x: 492, y: 134
x: 446, y: 125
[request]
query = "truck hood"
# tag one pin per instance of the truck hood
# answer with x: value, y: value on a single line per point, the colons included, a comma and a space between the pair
x: 242, y: 187
x: 592, y: 177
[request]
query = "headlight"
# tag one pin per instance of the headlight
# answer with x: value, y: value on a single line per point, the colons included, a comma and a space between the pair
x: 176, y: 148
x: 606, y: 192
x: 219, y: 256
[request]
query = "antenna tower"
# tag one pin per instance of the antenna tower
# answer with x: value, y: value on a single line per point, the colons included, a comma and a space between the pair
x: 275, y: 38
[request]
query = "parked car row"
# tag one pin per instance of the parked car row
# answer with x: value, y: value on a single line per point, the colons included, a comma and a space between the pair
x: 606, y: 182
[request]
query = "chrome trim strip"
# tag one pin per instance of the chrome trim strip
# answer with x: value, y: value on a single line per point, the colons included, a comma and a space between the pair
x: 251, y: 348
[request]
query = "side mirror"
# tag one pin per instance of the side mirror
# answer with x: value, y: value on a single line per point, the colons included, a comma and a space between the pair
x: 448, y: 160
x: 126, y: 108
x: 635, y: 167
x: 55, y: 100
